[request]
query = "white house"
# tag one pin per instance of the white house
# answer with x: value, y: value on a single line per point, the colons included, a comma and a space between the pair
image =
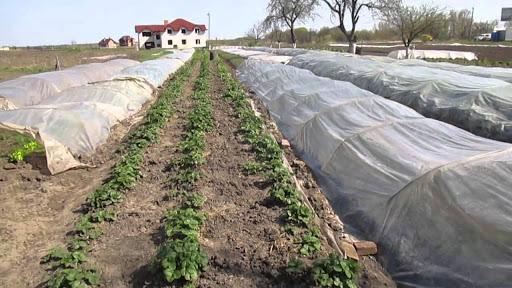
x: 178, y: 34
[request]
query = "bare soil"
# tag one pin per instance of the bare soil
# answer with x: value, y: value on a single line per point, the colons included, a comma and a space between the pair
x: 243, y: 235
x: 37, y: 210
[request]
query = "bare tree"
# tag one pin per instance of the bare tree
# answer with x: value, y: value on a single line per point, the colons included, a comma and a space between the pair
x: 410, y: 21
x: 257, y: 31
x: 289, y: 13
x: 339, y: 9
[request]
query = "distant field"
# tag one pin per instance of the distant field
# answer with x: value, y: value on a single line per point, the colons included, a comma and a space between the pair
x: 20, y: 62
x: 480, y: 62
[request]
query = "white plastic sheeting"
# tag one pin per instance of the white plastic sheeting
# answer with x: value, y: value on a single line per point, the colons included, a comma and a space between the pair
x: 436, y: 198
x: 423, y: 54
x: 32, y: 89
x: 157, y: 71
x: 257, y: 55
x: 504, y: 74
x: 75, y: 121
x: 480, y: 105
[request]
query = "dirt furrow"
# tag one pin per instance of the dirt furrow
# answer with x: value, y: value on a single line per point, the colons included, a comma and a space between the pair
x: 128, y: 244
x: 242, y: 234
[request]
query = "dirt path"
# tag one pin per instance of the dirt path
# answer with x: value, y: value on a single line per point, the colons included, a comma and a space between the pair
x: 129, y: 243
x: 242, y: 236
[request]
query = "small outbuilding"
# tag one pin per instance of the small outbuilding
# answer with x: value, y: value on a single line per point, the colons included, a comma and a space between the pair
x: 107, y: 43
x: 126, y: 41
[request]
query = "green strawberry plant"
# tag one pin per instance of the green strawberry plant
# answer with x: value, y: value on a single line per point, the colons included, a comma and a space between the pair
x: 310, y: 242
x: 335, y: 271
x: 180, y: 259
x: 284, y: 193
x: 298, y: 213
x: 295, y: 266
x: 74, y: 278
x: 183, y: 222
x: 195, y: 201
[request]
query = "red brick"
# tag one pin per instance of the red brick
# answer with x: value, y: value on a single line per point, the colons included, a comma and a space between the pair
x: 365, y: 248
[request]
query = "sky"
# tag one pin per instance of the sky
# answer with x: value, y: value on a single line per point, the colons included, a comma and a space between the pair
x: 36, y: 22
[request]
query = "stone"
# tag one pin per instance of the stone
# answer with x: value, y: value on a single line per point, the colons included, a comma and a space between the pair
x: 349, y: 250
x: 365, y: 248
x: 10, y: 166
x: 285, y: 143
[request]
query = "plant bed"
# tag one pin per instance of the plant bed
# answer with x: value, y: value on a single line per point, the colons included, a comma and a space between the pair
x: 68, y: 266
x: 370, y: 273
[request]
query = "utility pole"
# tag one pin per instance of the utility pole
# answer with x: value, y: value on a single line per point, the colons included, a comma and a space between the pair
x: 209, y: 29
x: 472, y: 19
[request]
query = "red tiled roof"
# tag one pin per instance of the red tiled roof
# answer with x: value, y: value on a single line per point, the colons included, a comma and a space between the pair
x: 175, y: 25
x: 105, y: 41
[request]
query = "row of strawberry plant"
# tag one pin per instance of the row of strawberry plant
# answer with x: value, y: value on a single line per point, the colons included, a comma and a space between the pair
x: 68, y: 265
x: 181, y: 258
x: 333, y: 271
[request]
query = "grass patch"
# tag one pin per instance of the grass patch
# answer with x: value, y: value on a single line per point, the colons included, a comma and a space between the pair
x: 233, y: 59
x: 24, y: 70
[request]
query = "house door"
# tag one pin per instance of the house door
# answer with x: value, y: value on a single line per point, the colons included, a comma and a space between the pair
x: 175, y: 47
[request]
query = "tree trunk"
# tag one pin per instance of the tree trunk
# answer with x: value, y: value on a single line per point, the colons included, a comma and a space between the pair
x: 352, y: 47
x: 407, y: 51
x: 294, y: 40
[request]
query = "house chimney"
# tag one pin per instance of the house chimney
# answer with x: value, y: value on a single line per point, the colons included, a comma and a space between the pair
x: 166, y: 22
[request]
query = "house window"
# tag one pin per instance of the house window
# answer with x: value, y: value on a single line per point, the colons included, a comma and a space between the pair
x: 157, y: 36
x: 169, y: 31
x: 146, y: 34
x: 184, y: 42
x: 198, y: 41
x: 183, y: 31
x: 169, y: 42
x: 198, y: 30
